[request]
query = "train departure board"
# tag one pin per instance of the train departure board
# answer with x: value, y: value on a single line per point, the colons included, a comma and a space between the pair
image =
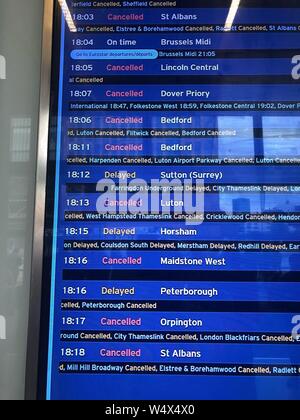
x: 172, y: 231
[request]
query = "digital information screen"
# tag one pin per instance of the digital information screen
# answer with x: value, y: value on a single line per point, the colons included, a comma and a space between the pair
x: 173, y: 202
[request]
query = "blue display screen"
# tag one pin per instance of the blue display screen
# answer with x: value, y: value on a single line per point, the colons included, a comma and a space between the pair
x: 175, y: 212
